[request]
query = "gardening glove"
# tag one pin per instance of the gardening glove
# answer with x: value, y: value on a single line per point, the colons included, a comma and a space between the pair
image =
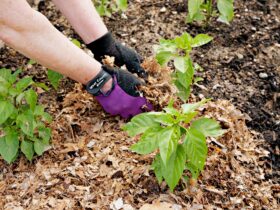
x: 123, y: 98
x: 107, y: 45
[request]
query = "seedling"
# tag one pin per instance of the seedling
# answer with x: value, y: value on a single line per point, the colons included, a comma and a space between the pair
x: 178, y: 50
x: 54, y: 78
x: 23, y: 121
x: 204, y: 10
x: 177, y: 138
x: 107, y: 7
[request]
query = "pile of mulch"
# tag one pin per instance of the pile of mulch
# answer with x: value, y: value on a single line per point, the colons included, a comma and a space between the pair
x: 90, y: 166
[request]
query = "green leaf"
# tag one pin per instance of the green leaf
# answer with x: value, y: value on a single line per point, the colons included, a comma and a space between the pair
x: 165, y: 51
x: 26, y: 123
x: 5, y: 73
x: 184, y: 42
x: 194, y: 7
x: 47, y: 117
x: 19, y: 98
x: 44, y: 133
x: 156, y: 166
x: 140, y: 124
x: 31, y: 62
x: 181, y: 63
x: 31, y: 98
x: 39, y: 110
x: 173, y: 170
x: 4, y: 87
x: 40, y: 146
x: 76, y: 42
x: 41, y: 85
x: 197, y: 67
x: 197, y: 17
x: 201, y: 39
x: 208, y: 127
x: 149, y: 141
x: 122, y: 4
x: 197, y: 79
x: 171, y: 110
x: 27, y: 147
x: 54, y: 78
x: 183, y: 81
x: 24, y: 83
x: 186, y: 118
x: 14, y: 92
x: 6, y: 110
x: 164, y: 57
x: 183, y: 92
x: 194, y: 170
x: 191, y: 107
x: 167, y: 143
x: 226, y: 10
x: 195, y: 148
x: 9, y: 145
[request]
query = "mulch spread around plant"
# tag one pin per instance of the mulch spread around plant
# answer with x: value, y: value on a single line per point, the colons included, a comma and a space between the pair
x: 89, y: 164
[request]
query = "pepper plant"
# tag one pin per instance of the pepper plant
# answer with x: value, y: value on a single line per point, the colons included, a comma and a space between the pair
x: 23, y: 121
x: 177, y: 137
x: 204, y: 10
x: 107, y: 7
x: 178, y: 50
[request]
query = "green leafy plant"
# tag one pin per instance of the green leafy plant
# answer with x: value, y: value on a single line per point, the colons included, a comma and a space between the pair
x: 107, y: 7
x: 23, y: 121
x: 178, y: 50
x: 177, y: 137
x: 54, y: 78
x: 204, y: 10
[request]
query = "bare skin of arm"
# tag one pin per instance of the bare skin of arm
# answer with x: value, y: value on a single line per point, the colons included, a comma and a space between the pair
x: 83, y: 17
x: 30, y: 33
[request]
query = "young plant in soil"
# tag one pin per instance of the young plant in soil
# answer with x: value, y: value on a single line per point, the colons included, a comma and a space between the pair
x: 178, y: 50
x: 107, y: 7
x: 204, y: 10
x: 177, y: 135
x: 178, y: 138
x: 23, y: 121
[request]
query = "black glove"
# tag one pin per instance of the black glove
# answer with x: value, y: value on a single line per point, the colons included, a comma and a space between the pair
x: 107, y: 45
x: 127, y: 81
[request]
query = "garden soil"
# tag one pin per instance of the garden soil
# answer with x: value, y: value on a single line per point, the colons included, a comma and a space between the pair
x: 89, y: 164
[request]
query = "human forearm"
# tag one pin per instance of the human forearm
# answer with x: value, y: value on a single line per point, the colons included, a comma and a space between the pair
x: 34, y: 36
x: 83, y: 17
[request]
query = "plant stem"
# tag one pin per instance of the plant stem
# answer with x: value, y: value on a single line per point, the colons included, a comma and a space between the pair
x: 209, y: 11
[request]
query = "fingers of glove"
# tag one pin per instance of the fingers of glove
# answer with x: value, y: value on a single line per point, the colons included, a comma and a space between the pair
x: 141, y: 106
x: 131, y: 59
x: 128, y: 82
x: 135, y: 67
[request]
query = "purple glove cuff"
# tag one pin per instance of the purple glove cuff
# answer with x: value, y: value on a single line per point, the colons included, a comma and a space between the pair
x: 118, y: 102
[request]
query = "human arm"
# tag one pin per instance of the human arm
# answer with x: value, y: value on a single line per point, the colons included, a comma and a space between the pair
x: 32, y: 34
x: 85, y: 20
x: 29, y: 32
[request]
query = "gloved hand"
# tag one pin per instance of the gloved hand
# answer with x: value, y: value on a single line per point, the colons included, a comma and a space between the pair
x: 107, y: 45
x: 123, y: 98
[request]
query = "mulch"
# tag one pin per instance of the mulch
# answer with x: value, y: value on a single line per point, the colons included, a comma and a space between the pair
x: 89, y: 164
